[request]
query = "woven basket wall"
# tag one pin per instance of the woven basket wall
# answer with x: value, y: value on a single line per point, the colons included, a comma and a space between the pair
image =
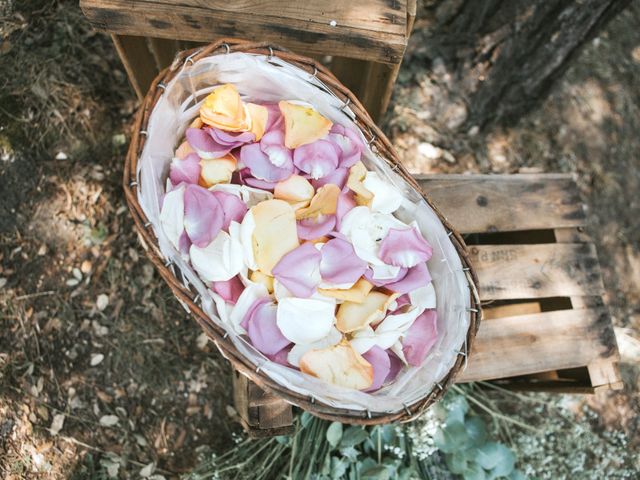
x: 172, y: 276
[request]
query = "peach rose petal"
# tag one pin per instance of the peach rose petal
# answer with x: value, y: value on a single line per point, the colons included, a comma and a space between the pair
x: 324, y: 202
x: 352, y: 316
x: 339, y: 365
x: 275, y: 233
x: 296, y: 190
x: 217, y: 170
x: 183, y: 150
x: 303, y: 124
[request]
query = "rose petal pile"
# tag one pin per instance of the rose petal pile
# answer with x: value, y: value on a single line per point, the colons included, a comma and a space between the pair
x: 298, y: 243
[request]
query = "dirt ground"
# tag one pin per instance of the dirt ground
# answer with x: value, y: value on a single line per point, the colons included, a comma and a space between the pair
x: 101, y: 370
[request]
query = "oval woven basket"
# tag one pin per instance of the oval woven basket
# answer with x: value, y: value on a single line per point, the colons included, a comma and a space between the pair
x: 192, y: 301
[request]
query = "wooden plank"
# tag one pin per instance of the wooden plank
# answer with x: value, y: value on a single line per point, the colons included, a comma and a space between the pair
x: 164, y: 51
x: 605, y: 373
x: 373, y: 30
x: 138, y: 61
x: 571, y: 235
x: 534, y: 271
x: 525, y: 344
x: 492, y: 203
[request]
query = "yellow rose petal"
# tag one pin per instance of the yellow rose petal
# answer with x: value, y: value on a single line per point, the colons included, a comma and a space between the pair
x: 357, y: 174
x: 275, y: 233
x: 223, y: 109
x: 217, y: 170
x: 352, y: 316
x: 356, y: 294
x: 324, y: 202
x: 258, y: 116
x: 259, y: 277
x: 339, y: 365
x: 302, y: 124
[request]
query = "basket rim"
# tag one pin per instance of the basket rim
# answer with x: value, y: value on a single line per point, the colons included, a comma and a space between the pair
x: 189, y: 300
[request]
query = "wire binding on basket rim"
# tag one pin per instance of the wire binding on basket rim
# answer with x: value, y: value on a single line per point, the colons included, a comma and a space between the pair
x: 379, y: 142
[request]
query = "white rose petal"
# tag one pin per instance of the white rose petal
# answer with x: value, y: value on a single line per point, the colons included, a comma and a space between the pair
x: 172, y: 215
x: 251, y: 293
x: 249, y: 195
x: 423, y: 297
x: 297, y: 351
x: 386, y: 196
x: 219, y: 261
x: 305, y: 320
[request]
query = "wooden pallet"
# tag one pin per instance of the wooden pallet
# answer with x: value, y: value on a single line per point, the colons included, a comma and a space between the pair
x: 546, y: 325
x: 365, y: 38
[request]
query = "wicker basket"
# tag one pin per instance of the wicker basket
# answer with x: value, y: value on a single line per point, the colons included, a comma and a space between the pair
x: 378, y: 142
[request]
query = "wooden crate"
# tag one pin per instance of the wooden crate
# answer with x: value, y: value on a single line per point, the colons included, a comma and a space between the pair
x: 365, y: 38
x: 546, y: 325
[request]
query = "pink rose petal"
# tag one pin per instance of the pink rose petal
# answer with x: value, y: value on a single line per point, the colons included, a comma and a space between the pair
x: 233, y: 208
x: 395, y: 367
x: 318, y: 159
x: 404, y: 248
x: 203, y: 215
x: 244, y: 177
x: 402, y: 301
x: 275, y: 120
x: 215, y: 143
x: 281, y: 357
x: 384, y: 282
x: 262, y: 329
x: 229, y: 290
x: 379, y: 360
x: 298, y: 270
x: 312, y: 228
x: 416, y: 277
x: 349, y: 143
x: 184, y: 244
x: 346, y: 202
x: 261, y: 167
x: 187, y: 170
x: 272, y: 144
x: 337, y: 177
x: 420, y: 338
x: 339, y: 263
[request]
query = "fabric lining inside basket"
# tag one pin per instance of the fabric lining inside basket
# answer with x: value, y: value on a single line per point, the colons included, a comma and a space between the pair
x: 263, y: 79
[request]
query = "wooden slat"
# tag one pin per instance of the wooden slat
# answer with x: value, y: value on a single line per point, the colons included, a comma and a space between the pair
x: 366, y: 29
x: 524, y: 344
x: 511, y: 310
x: 535, y: 271
x: 138, y: 61
x: 492, y: 203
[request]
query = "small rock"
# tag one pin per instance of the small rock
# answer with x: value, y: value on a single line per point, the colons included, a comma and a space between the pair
x: 96, y: 359
x: 61, y: 156
x: 57, y: 423
x: 102, y: 302
x: 109, y: 420
x: 147, y: 470
x: 85, y: 267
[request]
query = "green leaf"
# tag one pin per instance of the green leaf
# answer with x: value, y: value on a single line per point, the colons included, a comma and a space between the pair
x: 334, y: 434
x: 473, y: 472
x: 457, y: 408
x: 350, y: 453
x: 516, y: 475
x: 353, y: 436
x: 456, y: 462
x: 452, y: 437
x: 476, y: 430
x: 377, y: 472
x: 496, y: 457
x: 338, y: 468
x: 305, y: 418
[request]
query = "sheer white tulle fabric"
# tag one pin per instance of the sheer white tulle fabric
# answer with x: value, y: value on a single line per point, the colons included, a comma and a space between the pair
x: 263, y: 79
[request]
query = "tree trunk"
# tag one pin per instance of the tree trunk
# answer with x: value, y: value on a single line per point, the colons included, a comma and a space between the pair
x: 503, y: 55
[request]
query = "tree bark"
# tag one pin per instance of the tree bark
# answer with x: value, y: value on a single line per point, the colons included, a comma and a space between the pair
x: 503, y: 55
